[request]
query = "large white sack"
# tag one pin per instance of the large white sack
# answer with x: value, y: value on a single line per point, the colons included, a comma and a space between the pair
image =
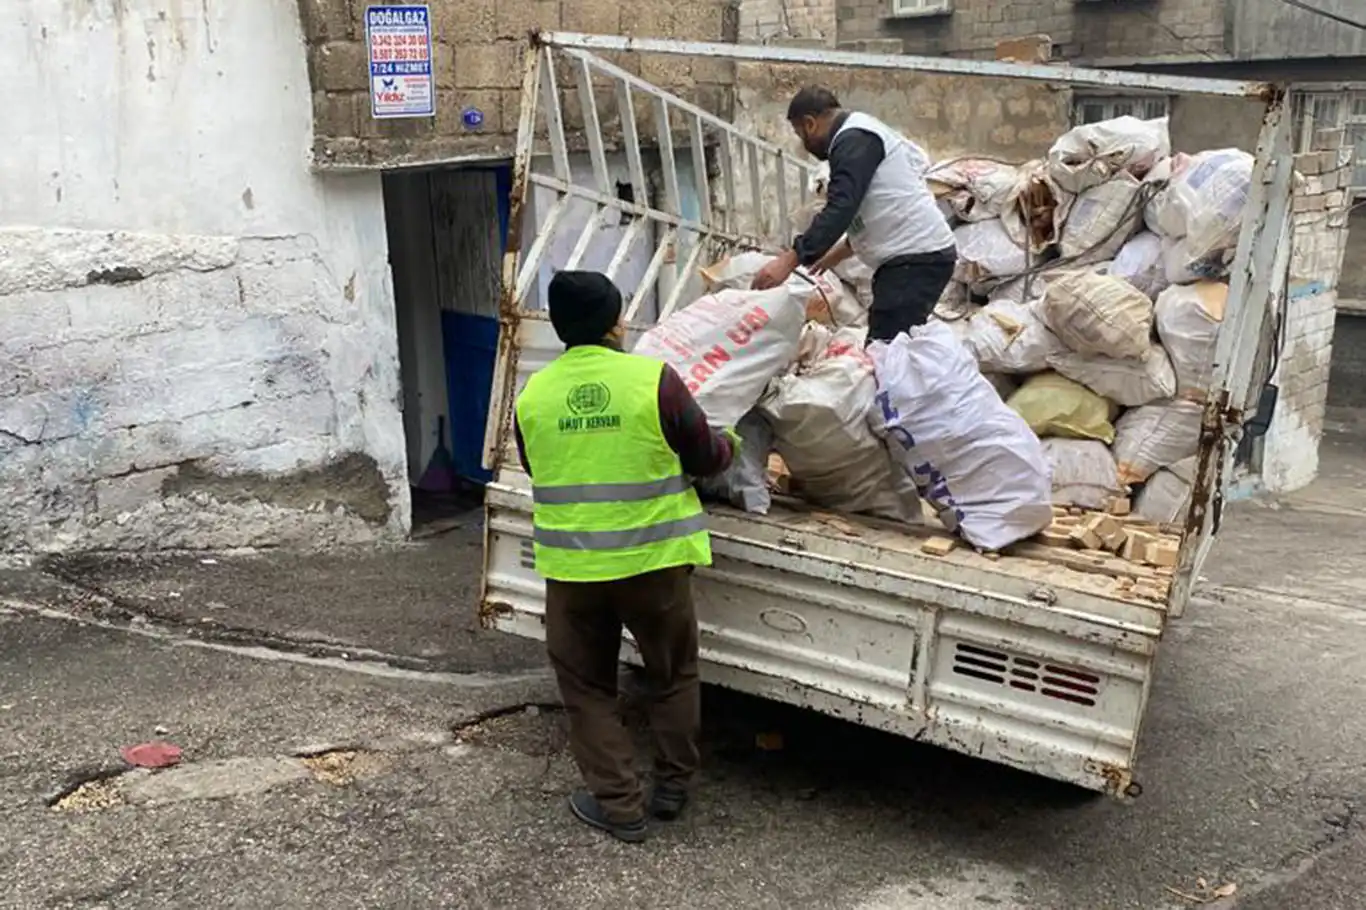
x: 1156, y: 436
x: 820, y: 428
x: 975, y: 189
x: 1098, y: 314
x: 1129, y: 382
x: 728, y: 346
x: 1139, y: 262
x: 986, y: 252
x: 745, y: 483
x: 974, y: 459
x: 825, y: 296
x: 1084, y: 473
x: 1102, y: 219
x: 1008, y: 337
x: 1166, y: 497
x: 1093, y: 153
x: 1203, y: 208
x: 1188, y: 321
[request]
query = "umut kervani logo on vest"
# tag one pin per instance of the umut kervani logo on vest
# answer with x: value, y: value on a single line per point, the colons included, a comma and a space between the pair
x: 587, y: 404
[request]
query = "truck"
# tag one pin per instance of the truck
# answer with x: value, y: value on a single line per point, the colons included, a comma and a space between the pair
x: 1012, y: 658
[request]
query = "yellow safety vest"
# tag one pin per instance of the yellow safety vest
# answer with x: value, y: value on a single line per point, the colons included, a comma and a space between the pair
x: 611, y: 499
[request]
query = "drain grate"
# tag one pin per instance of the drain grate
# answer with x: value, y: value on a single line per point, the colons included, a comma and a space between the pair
x: 1025, y: 674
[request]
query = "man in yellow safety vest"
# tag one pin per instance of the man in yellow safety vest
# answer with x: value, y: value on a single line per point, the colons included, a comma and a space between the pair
x: 610, y: 441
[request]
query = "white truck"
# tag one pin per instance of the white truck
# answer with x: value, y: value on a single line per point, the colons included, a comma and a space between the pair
x: 1014, y: 659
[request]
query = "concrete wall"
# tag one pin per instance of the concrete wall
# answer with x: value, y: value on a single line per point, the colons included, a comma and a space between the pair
x: 197, y: 341
x: 1080, y: 30
x: 1273, y: 30
x: 479, y: 47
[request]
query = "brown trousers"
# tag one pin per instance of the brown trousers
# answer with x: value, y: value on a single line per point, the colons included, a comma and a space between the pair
x: 583, y: 622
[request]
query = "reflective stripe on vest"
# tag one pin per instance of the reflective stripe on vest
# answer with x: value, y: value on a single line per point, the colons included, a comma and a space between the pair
x: 610, y: 497
x: 619, y: 540
x: 608, y: 492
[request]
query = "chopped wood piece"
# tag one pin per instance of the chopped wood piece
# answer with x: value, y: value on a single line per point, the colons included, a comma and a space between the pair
x: 1055, y: 537
x: 992, y: 555
x: 1100, y: 564
x: 1110, y: 532
x: 1120, y: 506
x: 1084, y: 537
x: 1136, y: 545
x: 938, y: 546
x: 1162, y: 553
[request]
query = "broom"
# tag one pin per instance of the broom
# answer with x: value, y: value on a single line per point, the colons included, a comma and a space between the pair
x: 440, y: 474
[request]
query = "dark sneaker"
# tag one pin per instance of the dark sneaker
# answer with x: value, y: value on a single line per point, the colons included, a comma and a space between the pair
x: 587, y: 810
x: 668, y: 801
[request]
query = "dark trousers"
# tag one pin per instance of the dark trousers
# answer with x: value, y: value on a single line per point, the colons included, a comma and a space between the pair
x: 905, y: 291
x: 583, y: 622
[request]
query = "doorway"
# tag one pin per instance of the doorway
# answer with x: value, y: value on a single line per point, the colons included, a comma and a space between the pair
x: 447, y: 229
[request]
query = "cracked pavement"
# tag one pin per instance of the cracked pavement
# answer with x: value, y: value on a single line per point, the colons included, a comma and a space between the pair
x: 448, y: 773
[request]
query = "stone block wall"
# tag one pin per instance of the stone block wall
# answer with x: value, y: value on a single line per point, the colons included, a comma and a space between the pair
x: 478, y: 52
x: 1291, y: 454
x: 763, y: 21
x: 947, y: 115
x: 1080, y: 29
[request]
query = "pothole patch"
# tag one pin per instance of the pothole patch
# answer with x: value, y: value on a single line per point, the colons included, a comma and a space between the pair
x: 343, y: 767
x: 90, y: 796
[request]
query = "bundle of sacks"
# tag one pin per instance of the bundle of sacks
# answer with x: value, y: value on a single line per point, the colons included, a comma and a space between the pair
x: 878, y: 432
x: 1067, y: 362
x: 1091, y: 287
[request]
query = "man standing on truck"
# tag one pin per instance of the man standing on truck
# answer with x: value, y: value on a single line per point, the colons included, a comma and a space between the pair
x: 877, y: 197
x: 610, y: 441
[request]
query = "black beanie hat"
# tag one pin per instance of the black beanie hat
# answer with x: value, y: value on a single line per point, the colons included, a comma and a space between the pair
x: 584, y: 306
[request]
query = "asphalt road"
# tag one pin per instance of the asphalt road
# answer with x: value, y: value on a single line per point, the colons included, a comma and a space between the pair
x: 352, y: 740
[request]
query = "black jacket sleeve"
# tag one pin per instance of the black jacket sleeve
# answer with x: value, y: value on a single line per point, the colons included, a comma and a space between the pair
x: 854, y: 158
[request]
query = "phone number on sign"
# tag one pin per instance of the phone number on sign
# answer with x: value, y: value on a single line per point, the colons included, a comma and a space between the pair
x: 418, y: 39
x: 387, y: 54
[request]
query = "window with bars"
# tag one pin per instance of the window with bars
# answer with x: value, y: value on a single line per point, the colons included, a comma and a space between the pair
x: 1313, y: 111
x: 913, y: 8
x: 1089, y: 109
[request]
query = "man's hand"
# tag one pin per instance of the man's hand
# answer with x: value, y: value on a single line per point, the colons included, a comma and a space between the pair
x: 833, y: 257
x: 776, y: 272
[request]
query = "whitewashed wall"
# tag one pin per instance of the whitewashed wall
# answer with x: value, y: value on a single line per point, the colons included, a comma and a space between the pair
x: 197, y: 343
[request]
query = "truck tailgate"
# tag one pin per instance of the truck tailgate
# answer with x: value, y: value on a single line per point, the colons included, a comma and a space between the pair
x: 1014, y: 659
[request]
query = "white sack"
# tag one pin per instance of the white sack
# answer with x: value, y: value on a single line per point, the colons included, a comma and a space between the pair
x: 986, y: 252
x: 825, y: 296
x: 1156, y: 436
x: 820, y: 427
x: 1202, y: 207
x: 1084, y: 473
x: 1098, y: 314
x: 972, y: 457
x: 1093, y: 153
x: 728, y: 346
x: 745, y: 483
x: 1188, y: 320
x: 1129, y: 382
x: 1139, y: 262
x: 975, y: 189
x: 1157, y: 184
x: 1166, y: 497
x: 1008, y: 337
x: 1101, y: 219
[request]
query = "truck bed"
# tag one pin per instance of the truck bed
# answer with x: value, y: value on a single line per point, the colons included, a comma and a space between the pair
x: 897, y: 544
